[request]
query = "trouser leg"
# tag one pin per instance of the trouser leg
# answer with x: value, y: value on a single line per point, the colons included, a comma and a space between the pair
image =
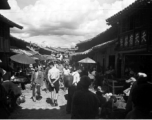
x: 71, y: 91
x: 52, y: 96
x: 38, y: 90
x: 68, y: 107
x: 33, y: 90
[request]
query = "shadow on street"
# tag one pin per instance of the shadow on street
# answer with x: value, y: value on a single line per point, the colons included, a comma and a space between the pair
x: 53, y: 113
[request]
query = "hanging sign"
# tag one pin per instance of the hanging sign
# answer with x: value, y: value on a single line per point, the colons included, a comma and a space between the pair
x: 143, y: 37
x: 137, y: 39
x: 131, y: 40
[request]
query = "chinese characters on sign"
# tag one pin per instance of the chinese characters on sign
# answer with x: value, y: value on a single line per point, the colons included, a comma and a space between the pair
x: 134, y: 39
x: 126, y: 41
x: 137, y: 39
x: 143, y: 37
x: 131, y: 40
x: 121, y: 42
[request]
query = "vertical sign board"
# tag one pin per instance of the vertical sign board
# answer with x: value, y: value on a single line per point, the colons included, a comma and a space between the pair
x: 1, y: 44
x: 143, y: 37
x: 137, y: 38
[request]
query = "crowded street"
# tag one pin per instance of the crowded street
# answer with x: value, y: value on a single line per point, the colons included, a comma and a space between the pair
x: 75, y: 59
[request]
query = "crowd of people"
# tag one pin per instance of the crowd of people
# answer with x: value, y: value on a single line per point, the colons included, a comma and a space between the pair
x: 87, y: 98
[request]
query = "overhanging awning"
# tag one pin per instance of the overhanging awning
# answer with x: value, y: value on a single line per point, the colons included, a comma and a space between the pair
x: 81, y: 53
x: 97, y: 47
x: 20, y: 51
x: 9, y: 22
x: 103, y: 45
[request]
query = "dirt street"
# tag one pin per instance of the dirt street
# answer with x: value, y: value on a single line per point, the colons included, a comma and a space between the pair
x: 41, y: 109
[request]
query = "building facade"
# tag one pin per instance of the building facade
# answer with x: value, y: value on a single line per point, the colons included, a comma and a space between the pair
x: 134, y: 44
x: 5, y: 25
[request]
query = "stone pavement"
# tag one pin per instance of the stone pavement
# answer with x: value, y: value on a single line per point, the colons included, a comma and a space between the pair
x: 41, y: 109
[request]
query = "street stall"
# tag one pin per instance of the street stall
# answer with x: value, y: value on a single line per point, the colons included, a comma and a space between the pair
x: 87, y: 62
x: 51, y: 57
x: 21, y: 77
x: 39, y: 56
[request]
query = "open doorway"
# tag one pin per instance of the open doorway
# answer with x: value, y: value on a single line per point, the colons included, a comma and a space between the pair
x: 139, y: 63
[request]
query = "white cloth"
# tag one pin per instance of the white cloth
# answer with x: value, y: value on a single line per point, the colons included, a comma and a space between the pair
x: 76, y: 77
x: 131, y: 80
x: 127, y: 91
x: 91, y: 76
x: 66, y: 71
x: 61, y: 57
x: 2, y: 71
x: 54, y: 73
x: 142, y: 74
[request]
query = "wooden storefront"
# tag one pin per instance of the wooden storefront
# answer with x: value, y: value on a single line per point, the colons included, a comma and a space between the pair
x: 134, y: 45
x: 5, y: 26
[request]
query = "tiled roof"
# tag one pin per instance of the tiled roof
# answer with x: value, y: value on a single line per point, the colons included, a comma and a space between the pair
x: 9, y: 22
x: 20, y: 51
x: 102, y: 45
x: 109, y: 34
x: 128, y: 10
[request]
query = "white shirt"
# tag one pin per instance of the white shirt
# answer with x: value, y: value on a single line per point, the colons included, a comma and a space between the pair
x: 66, y: 71
x: 54, y: 73
x: 76, y: 77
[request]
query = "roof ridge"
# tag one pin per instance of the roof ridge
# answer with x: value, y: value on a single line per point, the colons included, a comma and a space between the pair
x: 137, y: 2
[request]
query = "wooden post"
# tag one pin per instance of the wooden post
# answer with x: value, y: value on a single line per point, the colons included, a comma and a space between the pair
x: 113, y: 87
x: 122, y: 65
x: 116, y: 62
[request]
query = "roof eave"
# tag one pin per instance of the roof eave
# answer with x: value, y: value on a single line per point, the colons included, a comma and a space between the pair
x: 4, y: 5
x: 9, y: 22
x: 17, y: 26
x: 113, y: 19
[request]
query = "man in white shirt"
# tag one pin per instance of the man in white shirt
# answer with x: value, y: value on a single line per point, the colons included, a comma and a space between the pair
x: 53, y: 77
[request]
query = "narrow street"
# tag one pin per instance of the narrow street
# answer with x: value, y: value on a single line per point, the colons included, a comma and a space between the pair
x: 41, y: 109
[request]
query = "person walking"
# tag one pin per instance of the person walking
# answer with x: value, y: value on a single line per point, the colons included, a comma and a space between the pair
x: 46, y: 81
x: 53, y: 77
x: 72, y: 88
x: 36, y: 81
x: 60, y: 68
x: 85, y: 104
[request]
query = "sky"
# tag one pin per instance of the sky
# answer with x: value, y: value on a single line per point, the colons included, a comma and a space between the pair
x: 61, y: 23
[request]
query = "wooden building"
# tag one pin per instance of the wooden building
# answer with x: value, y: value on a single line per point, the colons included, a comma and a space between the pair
x: 19, y: 46
x: 134, y: 45
x: 4, y: 4
x: 45, y: 51
x: 18, y: 43
x: 105, y: 36
x: 5, y: 25
x: 100, y: 48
